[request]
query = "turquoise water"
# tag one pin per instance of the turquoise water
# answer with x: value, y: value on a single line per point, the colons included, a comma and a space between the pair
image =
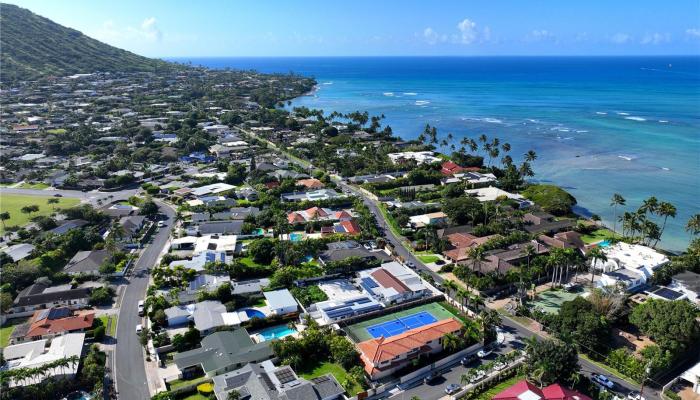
x: 600, y: 125
x: 604, y: 243
x: 295, y: 237
x: 276, y: 332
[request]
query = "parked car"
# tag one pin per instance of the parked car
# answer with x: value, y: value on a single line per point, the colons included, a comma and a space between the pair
x: 635, y: 396
x: 452, y: 388
x: 57, y: 195
x: 140, y: 308
x: 139, y: 328
x: 485, y: 352
x: 161, y: 224
x: 477, y: 377
x: 603, y: 381
x: 431, y: 377
x: 411, y: 265
x: 499, y: 366
x: 468, y: 359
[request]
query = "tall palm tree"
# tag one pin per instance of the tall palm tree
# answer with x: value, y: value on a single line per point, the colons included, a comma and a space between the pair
x: 530, y: 156
x: 666, y: 210
x: 594, y: 255
x: 617, y: 200
x: 693, y: 225
x: 489, y: 320
x: 529, y: 252
x: 477, y: 255
x: 4, y: 216
x: 649, y: 205
x: 450, y: 342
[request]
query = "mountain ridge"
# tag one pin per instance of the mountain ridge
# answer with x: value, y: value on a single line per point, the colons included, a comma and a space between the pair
x: 32, y: 47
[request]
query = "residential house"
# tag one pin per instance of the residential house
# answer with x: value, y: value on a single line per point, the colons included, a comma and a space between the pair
x: 86, y: 262
x: 630, y: 265
x: 41, y: 296
x: 250, y: 287
x: 314, y: 195
x: 310, y: 183
x: 132, y: 225
x: 318, y: 214
x: 52, y: 322
x: 383, y: 356
x: 337, y: 254
x: 423, y: 220
x: 35, y: 354
x: 689, y: 284
x: 542, y: 222
x: 67, y: 226
x: 202, y: 283
x: 392, y: 283
x: 18, y: 251
x: 524, y: 390
x: 222, y: 352
x: 281, y: 302
x: 420, y: 157
x: 491, y: 193
x: 334, y: 310
x: 264, y: 381
x: 564, y: 240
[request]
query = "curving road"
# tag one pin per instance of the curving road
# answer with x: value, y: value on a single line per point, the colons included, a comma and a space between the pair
x: 129, y: 368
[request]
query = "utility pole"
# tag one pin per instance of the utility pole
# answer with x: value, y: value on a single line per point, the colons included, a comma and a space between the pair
x: 647, y: 370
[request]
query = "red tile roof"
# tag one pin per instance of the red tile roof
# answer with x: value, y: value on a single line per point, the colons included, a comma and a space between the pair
x: 450, y: 168
x: 311, y: 183
x: 386, y: 279
x: 380, y: 349
x: 78, y: 321
x: 551, y: 392
x: 351, y: 227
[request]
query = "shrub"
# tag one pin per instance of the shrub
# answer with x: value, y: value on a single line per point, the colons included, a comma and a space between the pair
x: 552, y: 199
x: 205, y: 388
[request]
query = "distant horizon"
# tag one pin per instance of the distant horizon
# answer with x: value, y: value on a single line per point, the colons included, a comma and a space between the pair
x: 448, y: 56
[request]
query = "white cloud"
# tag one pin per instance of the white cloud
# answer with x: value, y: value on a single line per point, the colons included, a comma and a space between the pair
x: 541, y: 35
x: 620, y: 38
x: 430, y: 36
x: 147, y: 32
x: 656, y: 38
x: 468, y: 32
x: 693, y: 32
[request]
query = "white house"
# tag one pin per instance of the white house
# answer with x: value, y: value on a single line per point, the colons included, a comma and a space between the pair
x: 491, y: 193
x: 35, y: 354
x: 420, y: 157
x: 435, y: 218
x: 629, y: 264
x: 281, y: 302
x: 392, y: 283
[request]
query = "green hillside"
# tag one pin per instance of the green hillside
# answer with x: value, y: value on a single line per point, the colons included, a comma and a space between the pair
x: 32, y: 46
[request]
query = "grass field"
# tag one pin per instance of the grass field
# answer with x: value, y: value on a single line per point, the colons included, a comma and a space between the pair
x: 428, y: 259
x: 338, y: 372
x: 597, y: 236
x: 488, y: 395
x: 551, y: 300
x: 13, y: 204
x: 358, y: 332
x: 6, y: 330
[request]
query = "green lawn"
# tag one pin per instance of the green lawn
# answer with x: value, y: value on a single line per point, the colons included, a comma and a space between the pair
x: 58, y: 131
x: 338, y: 372
x: 180, y: 383
x: 13, y: 203
x: 428, y: 259
x: 39, y: 185
x: 105, y: 321
x: 196, y: 396
x: 488, y: 395
x: 6, y: 330
x: 248, y: 262
x: 597, y: 236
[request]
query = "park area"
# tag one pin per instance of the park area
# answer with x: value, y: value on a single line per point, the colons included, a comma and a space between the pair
x: 398, y: 322
x: 551, y: 300
x: 13, y: 203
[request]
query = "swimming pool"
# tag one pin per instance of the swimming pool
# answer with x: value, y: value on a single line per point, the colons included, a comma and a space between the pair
x: 604, y: 243
x: 78, y: 396
x: 295, y: 237
x: 253, y: 313
x: 276, y: 332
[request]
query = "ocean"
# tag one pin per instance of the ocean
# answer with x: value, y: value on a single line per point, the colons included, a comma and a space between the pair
x: 600, y: 125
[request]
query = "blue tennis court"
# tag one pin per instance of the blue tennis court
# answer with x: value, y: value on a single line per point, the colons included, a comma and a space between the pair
x: 400, y: 325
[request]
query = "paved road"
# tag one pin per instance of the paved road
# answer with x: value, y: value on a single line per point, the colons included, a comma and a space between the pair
x: 129, y: 357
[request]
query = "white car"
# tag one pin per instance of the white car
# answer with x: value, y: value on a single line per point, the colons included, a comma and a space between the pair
x: 140, y: 307
x: 452, y: 388
x: 603, y: 381
x: 635, y: 396
x: 139, y: 328
x: 161, y: 224
x: 479, y: 376
x: 485, y: 352
x: 500, y: 366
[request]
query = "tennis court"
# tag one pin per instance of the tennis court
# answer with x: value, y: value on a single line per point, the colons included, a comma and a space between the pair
x: 401, y: 325
x: 397, y: 322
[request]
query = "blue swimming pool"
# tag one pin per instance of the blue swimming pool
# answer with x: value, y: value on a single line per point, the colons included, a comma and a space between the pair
x: 78, y: 396
x: 276, y: 332
x: 604, y: 243
x: 253, y: 313
x: 295, y: 237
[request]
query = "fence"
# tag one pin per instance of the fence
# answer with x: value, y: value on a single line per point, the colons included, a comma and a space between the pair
x: 388, y: 310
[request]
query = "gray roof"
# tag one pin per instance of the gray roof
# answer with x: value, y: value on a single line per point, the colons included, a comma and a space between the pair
x: 86, y: 261
x: 19, y: 251
x: 341, y: 254
x: 68, y: 225
x: 250, y: 286
x: 40, y: 293
x: 690, y: 280
x: 207, y: 315
x: 176, y: 311
x: 223, y: 349
x: 211, y: 227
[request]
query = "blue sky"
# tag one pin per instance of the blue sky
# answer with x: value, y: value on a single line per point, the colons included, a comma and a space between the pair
x: 179, y: 28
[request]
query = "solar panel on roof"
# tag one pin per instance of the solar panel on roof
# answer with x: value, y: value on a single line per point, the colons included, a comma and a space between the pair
x: 370, y: 282
x: 285, y: 375
x: 57, y: 313
x: 667, y: 293
x: 210, y: 257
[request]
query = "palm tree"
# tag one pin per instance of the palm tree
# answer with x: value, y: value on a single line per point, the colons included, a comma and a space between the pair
x: 693, y: 225
x: 594, y: 255
x: 529, y: 252
x: 617, y: 200
x: 4, y: 216
x: 450, y: 342
x: 489, y: 319
x: 530, y: 156
x: 473, y: 146
x: 666, y: 210
x: 649, y: 205
x: 477, y: 255
x: 449, y: 286
x: 505, y: 147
